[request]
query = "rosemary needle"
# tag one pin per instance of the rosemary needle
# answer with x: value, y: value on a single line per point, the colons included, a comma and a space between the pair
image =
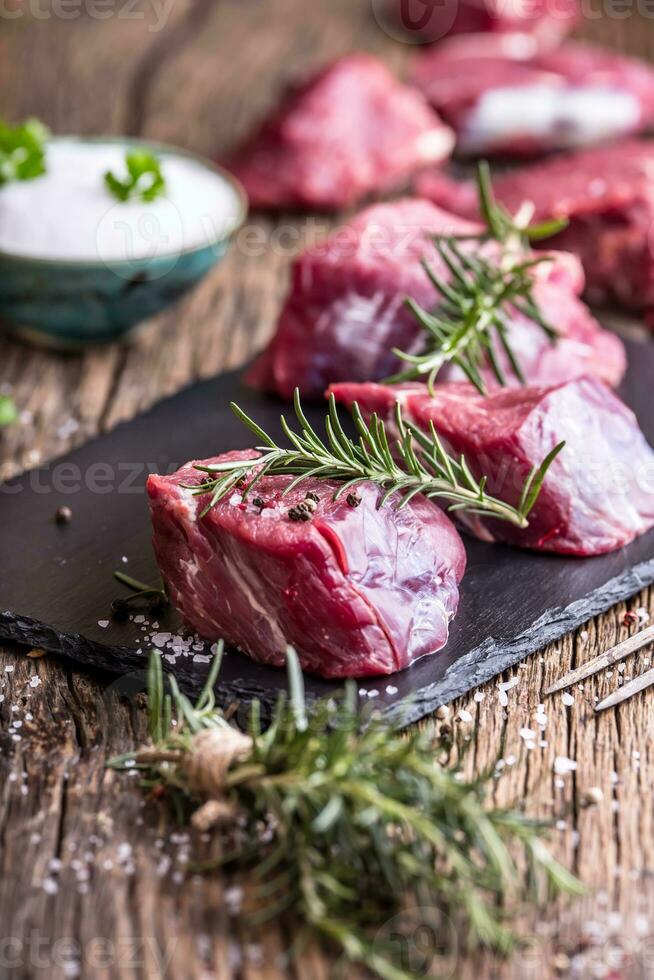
x: 416, y: 463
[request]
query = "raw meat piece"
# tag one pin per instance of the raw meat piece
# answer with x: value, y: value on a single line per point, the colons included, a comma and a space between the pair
x: 507, y: 94
x: 345, y: 311
x: 599, y: 492
x: 433, y: 20
x: 350, y: 130
x: 357, y: 590
x: 607, y: 195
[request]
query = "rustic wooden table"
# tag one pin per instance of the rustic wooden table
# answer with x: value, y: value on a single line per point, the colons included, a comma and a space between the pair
x: 91, y: 884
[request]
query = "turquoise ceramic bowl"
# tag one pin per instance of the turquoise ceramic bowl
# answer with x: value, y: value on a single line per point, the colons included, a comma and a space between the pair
x: 69, y: 303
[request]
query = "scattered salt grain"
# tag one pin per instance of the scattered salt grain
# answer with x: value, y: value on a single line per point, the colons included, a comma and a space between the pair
x: 9, y: 668
x: 562, y: 765
x: 465, y: 716
x: 103, y: 623
x: 35, y: 681
x: 390, y: 689
x: 233, y: 899
x: 528, y: 734
x: 479, y: 696
x: 50, y: 886
x: 567, y: 699
x: 373, y: 694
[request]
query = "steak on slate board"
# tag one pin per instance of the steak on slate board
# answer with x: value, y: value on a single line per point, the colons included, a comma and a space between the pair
x: 433, y: 20
x: 345, y: 311
x: 509, y: 95
x: 607, y: 196
x: 597, y: 496
x: 351, y: 130
x: 357, y: 590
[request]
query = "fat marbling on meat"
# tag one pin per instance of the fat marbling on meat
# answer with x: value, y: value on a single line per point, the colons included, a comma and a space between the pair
x: 597, y: 496
x: 358, y: 590
x: 345, y: 310
x: 509, y: 95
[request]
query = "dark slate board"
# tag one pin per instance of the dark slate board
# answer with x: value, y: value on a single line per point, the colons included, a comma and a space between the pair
x: 57, y: 581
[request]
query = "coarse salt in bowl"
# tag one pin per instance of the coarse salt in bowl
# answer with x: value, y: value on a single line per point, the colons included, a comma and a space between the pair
x: 78, y: 266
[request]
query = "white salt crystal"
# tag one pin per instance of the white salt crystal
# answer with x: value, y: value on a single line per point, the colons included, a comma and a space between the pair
x: 562, y: 765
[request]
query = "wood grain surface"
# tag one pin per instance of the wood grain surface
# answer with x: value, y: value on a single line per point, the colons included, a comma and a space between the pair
x: 94, y: 880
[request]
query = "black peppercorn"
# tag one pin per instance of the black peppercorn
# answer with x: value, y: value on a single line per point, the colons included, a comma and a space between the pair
x: 63, y: 515
x: 299, y: 513
x: 353, y: 499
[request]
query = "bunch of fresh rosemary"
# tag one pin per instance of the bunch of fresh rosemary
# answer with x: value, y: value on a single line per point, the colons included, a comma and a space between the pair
x: 479, y: 293
x: 345, y: 826
x: 419, y: 464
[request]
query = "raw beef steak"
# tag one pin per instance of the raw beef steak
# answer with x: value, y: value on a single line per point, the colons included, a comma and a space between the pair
x: 350, y: 130
x: 607, y: 195
x: 505, y: 94
x: 357, y: 590
x: 599, y: 492
x: 345, y: 311
x: 433, y: 20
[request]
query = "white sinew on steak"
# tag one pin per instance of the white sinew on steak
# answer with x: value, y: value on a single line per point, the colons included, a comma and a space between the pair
x: 358, y: 590
x: 597, y: 496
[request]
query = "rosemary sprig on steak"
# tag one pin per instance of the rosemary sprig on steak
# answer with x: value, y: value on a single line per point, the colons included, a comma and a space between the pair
x: 417, y: 463
x: 345, y: 827
x: 471, y: 325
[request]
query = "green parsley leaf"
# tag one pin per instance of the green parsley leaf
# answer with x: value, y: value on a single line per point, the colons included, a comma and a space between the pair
x: 144, y: 178
x: 8, y: 411
x: 22, y: 150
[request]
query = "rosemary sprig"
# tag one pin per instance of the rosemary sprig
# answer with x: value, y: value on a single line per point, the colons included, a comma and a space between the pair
x: 22, y: 150
x: 345, y: 826
x: 419, y: 464
x: 155, y: 596
x: 471, y: 325
x: 144, y: 178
